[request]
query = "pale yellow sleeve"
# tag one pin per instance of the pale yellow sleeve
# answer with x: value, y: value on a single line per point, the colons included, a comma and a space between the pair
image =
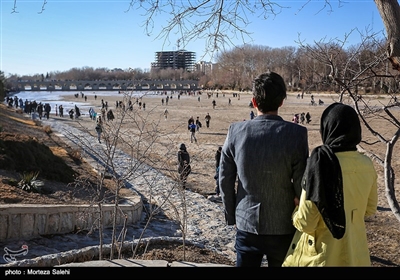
x: 306, y: 216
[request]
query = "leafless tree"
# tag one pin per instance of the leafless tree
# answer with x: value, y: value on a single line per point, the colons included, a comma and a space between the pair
x: 364, y: 69
x: 135, y: 131
x: 390, y: 14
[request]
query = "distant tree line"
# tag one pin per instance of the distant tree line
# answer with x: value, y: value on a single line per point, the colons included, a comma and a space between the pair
x: 235, y: 69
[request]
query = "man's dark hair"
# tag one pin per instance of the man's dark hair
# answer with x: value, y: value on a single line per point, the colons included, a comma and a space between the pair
x: 269, y: 90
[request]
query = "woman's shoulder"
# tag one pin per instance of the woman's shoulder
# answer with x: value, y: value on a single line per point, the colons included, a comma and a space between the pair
x: 355, y: 159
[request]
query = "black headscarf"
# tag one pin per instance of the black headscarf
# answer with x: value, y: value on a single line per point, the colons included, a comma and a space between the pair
x: 182, y: 147
x: 340, y: 131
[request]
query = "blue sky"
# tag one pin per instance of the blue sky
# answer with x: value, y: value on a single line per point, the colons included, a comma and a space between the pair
x: 71, y: 33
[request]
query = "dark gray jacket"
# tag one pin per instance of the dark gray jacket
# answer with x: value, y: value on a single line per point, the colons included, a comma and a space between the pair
x: 267, y: 157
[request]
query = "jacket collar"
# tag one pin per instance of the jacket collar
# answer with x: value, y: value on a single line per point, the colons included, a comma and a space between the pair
x: 269, y: 117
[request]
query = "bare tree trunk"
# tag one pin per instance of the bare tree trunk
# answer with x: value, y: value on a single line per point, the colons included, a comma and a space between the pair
x: 101, y: 230
x: 389, y: 173
x: 390, y: 14
x: 115, y: 213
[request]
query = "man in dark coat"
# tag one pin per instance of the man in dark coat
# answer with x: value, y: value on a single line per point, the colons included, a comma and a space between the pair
x: 261, y: 168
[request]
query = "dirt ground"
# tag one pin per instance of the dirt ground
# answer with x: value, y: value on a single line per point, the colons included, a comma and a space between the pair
x: 382, y: 228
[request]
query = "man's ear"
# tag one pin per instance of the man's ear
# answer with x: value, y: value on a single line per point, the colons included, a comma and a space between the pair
x: 253, y: 101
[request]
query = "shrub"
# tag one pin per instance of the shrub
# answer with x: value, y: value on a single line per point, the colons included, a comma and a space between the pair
x: 47, y: 129
x: 29, y: 183
x: 75, y: 155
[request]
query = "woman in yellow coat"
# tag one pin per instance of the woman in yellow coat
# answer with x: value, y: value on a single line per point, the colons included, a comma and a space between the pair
x: 339, y: 190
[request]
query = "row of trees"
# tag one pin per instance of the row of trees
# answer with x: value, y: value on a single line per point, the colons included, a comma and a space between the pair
x: 302, y: 68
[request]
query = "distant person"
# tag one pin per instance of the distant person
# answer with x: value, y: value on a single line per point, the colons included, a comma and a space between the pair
x: 99, y: 130
x: 192, y: 129
x: 308, y: 118
x: 190, y: 121
x: 47, y: 109
x: 77, y: 112
x: 61, y: 110
x: 110, y: 115
x: 261, y: 168
x: 295, y: 118
x: 214, y: 103
x: 251, y: 115
x: 99, y: 119
x: 27, y: 107
x: 339, y: 190
x: 92, y: 114
x: 166, y: 113
x: 302, y: 118
x: 40, y: 110
x: 207, y: 118
x: 10, y: 102
x: 184, y: 168
x: 198, y: 124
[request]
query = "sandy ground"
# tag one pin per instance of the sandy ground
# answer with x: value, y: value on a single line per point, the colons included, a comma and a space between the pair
x: 173, y: 130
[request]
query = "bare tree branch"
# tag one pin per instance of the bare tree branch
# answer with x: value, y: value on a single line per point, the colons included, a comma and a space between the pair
x: 14, y: 9
x: 44, y: 4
